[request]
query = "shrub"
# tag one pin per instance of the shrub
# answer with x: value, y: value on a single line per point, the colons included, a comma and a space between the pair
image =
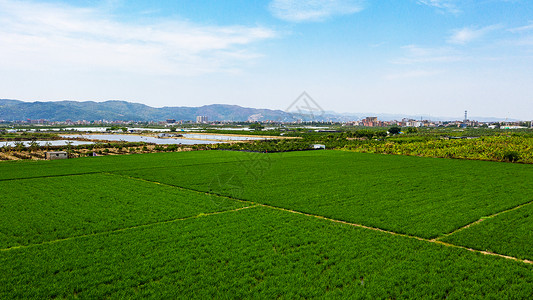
x: 511, y: 156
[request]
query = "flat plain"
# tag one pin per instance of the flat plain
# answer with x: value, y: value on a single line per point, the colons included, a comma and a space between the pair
x: 247, y: 225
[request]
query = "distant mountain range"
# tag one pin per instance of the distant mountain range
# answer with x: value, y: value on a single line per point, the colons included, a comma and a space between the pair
x: 13, y: 110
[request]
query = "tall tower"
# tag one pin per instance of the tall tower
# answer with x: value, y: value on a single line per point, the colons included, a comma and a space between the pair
x: 466, y: 116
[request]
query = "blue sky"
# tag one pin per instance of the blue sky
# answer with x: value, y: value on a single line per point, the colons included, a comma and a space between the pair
x: 424, y: 57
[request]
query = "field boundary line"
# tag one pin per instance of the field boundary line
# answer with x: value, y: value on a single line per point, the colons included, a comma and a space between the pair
x: 51, y: 176
x: 200, y: 215
x: 433, y: 241
x: 485, y: 252
x: 481, y: 220
x: 186, y: 189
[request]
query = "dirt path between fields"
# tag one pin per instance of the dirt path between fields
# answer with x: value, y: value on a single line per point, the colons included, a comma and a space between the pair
x: 481, y: 220
x: 126, y: 228
x: 434, y: 241
x: 255, y: 204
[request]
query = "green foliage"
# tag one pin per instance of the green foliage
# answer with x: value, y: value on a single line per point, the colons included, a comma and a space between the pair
x: 494, y: 148
x: 117, y: 128
x: 395, y: 130
x: 257, y: 126
x: 512, y: 156
x: 171, y: 148
x: 269, y: 146
x: 28, y: 135
x: 364, y: 133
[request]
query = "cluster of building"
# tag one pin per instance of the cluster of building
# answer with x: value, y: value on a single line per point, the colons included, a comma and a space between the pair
x: 199, y: 120
x: 66, y: 122
x: 366, y: 122
x: 374, y: 122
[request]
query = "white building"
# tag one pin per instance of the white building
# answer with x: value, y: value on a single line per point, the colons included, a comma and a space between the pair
x: 201, y: 119
x: 53, y: 155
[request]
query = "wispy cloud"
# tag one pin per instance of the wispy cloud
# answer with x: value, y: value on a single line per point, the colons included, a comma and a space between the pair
x: 468, y: 34
x: 37, y: 35
x: 418, y: 55
x: 442, y: 5
x: 313, y: 10
x: 522, y: 28
x: 412, y: 74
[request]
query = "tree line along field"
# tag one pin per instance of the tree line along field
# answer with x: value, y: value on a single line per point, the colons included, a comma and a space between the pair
x: 247, y: 225
x: 471, y: 143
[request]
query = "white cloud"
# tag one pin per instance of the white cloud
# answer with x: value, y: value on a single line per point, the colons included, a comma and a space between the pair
x: 522, y: 28
x: 415, y: 55
x: 313, y: 10
x: 466, y: 35
x: 412, y: 74
x: 444, y: 5
x: 39, y: 36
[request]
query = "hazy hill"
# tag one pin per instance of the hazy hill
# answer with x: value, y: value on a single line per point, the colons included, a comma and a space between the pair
x: 12, y: 110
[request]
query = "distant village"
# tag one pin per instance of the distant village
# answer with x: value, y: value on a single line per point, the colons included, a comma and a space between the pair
x: 366, y: 122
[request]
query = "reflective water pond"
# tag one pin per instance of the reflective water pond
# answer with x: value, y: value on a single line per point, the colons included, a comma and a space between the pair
x: 45, y: 143
x: 225, y: 137
x: 139, y: 138
x: 105, y: 129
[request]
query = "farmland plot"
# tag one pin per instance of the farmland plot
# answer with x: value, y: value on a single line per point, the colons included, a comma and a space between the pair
x: 510, y: 233
x: 45, y: 209
x: 424, y: 197
x: 35, y: 169
x: 154, y: 226
x: 257, y: 252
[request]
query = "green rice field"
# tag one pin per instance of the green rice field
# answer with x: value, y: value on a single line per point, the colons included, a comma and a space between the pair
x: 509, y: 233
x: 222, y: 224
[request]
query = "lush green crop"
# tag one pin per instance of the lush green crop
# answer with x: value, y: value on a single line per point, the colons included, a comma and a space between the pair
x: 419, y: 196
x: 109, y: 232
x: 257, y: 253
x: 510, y: 233
x: 33, y: 169
x: 44, y: 209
